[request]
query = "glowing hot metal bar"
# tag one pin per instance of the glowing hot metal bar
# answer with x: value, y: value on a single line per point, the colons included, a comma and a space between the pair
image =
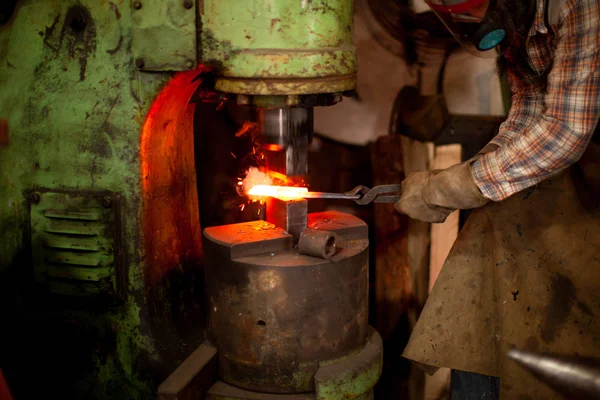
x: 279, y: 192
x: 287, y: 193
x: 361, y: 194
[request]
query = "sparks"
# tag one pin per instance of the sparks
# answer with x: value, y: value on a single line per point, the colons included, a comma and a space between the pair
x: 259, y: 185
x: 247, y: 128
x: 254, y: 177
x: 232, y: 155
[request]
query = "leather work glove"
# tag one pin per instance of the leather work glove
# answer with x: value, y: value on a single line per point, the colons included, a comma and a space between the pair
x: 431, y: 196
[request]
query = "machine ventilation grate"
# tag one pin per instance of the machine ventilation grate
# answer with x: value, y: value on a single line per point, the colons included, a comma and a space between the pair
x: 73, y: 243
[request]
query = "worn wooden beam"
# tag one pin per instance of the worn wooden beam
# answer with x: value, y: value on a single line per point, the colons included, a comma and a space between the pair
x: 192, y: 379
x: 393, y: 288
x: 417, y: 156
x: 443, y: 235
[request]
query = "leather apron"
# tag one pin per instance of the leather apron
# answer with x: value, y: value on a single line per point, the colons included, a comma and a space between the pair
x: 523, y: 273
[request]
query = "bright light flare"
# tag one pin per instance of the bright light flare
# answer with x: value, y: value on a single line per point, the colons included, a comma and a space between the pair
x: 273, y: 147
x: 258, y: 185
x: 285, y: 193
x: 253, y: 177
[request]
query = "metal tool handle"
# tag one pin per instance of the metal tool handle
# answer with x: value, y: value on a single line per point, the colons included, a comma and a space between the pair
x: 331, y: 196
x: 362, y: 195
x: 378, y: 194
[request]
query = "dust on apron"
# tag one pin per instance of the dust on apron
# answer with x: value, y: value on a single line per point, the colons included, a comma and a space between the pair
x: 523, y: 273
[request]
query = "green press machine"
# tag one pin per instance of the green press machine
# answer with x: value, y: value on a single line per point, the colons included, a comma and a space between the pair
x: 101, y: 248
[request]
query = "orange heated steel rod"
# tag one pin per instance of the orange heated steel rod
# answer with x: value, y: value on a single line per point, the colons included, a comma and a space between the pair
x: 294, y: 193
x: 360, y: 194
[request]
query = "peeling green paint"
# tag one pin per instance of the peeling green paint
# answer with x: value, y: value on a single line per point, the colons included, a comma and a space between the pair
x: 352, y: 376
x: 75, y: 104
x: 280, y: 40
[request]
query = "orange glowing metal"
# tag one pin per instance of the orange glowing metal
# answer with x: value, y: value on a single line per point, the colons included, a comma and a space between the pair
x: 278, y: 176
x: 273, y: 147
x: 285, y: 193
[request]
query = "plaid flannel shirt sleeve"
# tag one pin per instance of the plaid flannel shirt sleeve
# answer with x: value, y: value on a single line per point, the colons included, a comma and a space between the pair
x: 547, y: 132
x: 527, y: 101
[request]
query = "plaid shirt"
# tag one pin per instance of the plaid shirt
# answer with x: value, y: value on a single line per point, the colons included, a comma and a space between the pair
x: 554, y: 113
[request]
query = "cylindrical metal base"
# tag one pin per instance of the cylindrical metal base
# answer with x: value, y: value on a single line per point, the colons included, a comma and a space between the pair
x: 349, y: 377
x: 273, y: 314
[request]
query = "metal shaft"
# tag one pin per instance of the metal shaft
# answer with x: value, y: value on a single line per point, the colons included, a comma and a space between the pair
x: 331, y: 196
x: 285, y: 135
x: 573, y: 377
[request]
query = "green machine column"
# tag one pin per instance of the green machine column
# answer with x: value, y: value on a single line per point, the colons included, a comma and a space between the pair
x: 99, y: 227
x: 280, y: 47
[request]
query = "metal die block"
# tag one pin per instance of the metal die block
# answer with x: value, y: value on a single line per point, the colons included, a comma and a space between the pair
x: 292, y: 216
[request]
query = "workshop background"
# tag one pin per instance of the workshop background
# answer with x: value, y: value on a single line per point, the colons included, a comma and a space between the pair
x: 408, y: 254
x: 421, y: 102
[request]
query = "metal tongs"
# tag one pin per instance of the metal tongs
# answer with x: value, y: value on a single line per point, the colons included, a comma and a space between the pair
x: 363, y: 195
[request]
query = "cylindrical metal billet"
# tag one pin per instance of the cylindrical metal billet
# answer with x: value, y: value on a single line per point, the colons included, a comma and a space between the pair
x: 317, y: 243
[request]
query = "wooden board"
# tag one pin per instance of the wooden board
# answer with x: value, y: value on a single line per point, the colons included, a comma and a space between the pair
x: 443, y: 235
x: 417, y: 156
x: 393, y: 288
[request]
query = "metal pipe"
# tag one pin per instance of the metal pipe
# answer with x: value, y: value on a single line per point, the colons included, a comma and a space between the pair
x: 317, y: 243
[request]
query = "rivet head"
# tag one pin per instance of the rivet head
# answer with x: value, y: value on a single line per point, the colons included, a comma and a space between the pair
x: 188, y: 4
x: 139, y: 63
x: 107, y: 202
x: 189, y: 64
x: 34, y: 198
x: 137, y: 4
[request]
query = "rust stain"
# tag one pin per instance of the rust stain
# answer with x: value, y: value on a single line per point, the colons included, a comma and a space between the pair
x: 315, y: 33
x: 49, y: 31
x: 562, y: 300
x: 4, y: 139
x: 274, y: 22
x: 79, y: 35
x: 118, y: 47
x: 113, y: 7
